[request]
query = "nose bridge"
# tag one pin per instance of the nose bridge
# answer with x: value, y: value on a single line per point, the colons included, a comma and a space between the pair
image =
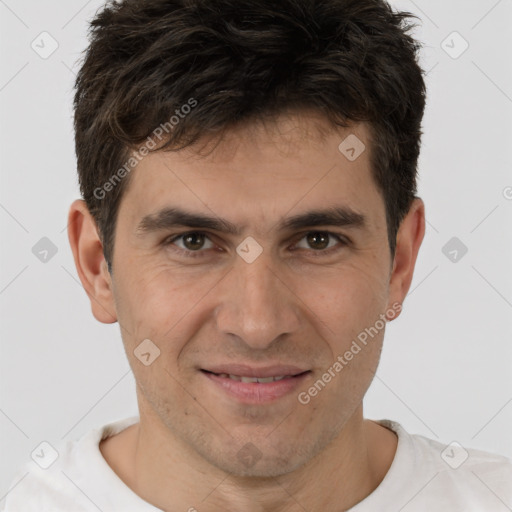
x: 256, y: 306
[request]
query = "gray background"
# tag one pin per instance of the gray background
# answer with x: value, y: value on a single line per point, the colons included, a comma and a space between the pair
x: 445, y: 370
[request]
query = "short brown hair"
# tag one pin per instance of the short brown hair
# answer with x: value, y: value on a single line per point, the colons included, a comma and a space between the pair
x: 239, y: 60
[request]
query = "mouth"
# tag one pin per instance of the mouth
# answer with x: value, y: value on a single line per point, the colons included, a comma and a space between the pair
x: 256, y: 389
x: 261, y: 380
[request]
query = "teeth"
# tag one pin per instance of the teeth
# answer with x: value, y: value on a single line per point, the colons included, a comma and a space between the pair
x: 266, y: 379
x: 253, y: 379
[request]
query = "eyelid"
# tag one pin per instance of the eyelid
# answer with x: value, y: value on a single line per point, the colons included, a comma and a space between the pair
x: 343, y: 241
x: 168, y: 241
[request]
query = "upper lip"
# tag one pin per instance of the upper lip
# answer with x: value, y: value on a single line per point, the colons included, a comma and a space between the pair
x: 244, y: 370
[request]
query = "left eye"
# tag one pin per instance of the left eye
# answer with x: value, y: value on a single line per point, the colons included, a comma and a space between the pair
x: 193, y: 242
x: 321, y: 240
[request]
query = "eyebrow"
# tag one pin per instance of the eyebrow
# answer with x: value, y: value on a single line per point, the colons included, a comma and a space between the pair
x: 173, y: 217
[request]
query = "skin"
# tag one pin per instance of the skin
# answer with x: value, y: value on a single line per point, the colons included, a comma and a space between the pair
x: 287, y: 306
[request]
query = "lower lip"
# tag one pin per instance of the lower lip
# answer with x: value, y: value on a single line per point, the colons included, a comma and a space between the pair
x: 257, y: 392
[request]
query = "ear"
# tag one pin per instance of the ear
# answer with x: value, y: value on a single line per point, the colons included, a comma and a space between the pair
x: 90, y: 262
x: 409, y: 238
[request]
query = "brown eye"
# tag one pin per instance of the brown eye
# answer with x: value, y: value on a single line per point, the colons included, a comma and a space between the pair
x: 320, y: 241
x: 191, y: 242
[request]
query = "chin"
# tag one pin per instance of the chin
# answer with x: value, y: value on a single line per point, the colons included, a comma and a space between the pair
x: 261, y: 459
x: 268, y: 468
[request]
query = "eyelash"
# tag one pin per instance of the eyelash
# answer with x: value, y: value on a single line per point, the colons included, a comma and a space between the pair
x: 316, y: 253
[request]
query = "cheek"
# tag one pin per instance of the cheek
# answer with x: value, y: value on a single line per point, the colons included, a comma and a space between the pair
x: 159, y: 302
x: 344, y: 300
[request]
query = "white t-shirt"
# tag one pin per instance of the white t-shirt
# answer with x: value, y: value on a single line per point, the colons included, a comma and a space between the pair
x: 425, y: 476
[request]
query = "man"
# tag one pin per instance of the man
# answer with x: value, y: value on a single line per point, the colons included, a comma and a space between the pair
x: 249, y: 218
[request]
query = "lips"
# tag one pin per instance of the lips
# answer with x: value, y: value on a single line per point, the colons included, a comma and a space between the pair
x: 250, y: 384
x: 242, y: 371
x: 261, y: 380
x: 257, y: 389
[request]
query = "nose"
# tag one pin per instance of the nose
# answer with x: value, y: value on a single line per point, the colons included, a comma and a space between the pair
x: 257, y: 303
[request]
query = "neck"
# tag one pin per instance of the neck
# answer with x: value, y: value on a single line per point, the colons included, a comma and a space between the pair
x: 169, y: 474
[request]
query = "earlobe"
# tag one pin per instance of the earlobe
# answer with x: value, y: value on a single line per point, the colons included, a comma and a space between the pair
x: 90, y: 262
x: 409, y: 238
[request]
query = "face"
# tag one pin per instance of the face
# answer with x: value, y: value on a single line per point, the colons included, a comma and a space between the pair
x: 266, y: 298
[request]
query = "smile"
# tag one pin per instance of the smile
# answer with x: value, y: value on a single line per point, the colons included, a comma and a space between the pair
x: 254, y: 389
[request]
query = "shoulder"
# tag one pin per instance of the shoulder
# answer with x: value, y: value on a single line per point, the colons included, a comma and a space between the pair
x: 476, y: 471
x: 454, y: 473
x: 35, y: 488
x: 70, y: 480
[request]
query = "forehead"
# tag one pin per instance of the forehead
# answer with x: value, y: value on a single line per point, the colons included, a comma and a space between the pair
x: 258, y: 173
